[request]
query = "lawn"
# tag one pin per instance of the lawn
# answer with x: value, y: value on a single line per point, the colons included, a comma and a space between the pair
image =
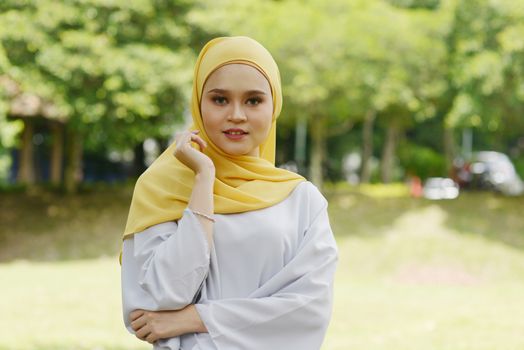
x: 413, y: 274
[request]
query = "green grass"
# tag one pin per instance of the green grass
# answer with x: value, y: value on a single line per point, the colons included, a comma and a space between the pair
x: 63, y: 305
x: 412, y: 274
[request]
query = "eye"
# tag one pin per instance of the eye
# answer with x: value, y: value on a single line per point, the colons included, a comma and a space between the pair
x: 254, y: 101
x: 219, y: 100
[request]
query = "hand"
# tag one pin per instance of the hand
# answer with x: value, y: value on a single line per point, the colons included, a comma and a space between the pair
x: 192, y: 158
x: 151, y: 326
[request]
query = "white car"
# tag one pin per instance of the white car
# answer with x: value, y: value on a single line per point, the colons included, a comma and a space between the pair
x: 440, y: 188
x: 494, y: 170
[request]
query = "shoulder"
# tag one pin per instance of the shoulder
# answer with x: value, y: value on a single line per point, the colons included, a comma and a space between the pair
x: 307, y: 188
x: 308, y: 196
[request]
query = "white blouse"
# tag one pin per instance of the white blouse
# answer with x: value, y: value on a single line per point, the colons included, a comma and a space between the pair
x: 267, y: 283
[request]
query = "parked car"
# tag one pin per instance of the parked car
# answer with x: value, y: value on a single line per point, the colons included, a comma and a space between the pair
x: 440, y: 188
x: 489, y: 170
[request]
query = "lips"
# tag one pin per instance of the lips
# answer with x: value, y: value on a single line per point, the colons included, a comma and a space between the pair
x: 235, y: 134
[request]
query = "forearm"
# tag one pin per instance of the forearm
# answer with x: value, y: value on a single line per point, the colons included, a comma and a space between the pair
x: 194, y: 322
x: 267, y: 323
x: 155, y: 325
x: 202, y: 201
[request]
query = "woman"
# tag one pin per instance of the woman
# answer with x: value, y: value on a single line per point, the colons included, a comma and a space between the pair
x: 222, y: 250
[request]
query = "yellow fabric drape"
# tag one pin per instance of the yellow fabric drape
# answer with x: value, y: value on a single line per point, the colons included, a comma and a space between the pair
x: 242, y: 183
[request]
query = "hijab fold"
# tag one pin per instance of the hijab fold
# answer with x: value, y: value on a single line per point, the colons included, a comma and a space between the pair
x: 242, y: 183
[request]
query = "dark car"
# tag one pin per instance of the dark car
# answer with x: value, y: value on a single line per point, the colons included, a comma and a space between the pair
x: 488, y: 170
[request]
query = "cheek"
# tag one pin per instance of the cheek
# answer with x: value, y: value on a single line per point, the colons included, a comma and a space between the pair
x: 268, y: 119
x: 208, y: 117
x: 265, y: 121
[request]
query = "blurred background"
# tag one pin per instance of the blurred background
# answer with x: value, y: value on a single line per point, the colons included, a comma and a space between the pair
x: 408, y: 114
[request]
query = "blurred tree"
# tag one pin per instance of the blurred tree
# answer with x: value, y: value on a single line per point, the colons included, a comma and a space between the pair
x: 119, y: 70
x: 342, y: 63
x: 406, y: 71
x: 8, y: 133
x: 416, y: 4
x: 486, y: 56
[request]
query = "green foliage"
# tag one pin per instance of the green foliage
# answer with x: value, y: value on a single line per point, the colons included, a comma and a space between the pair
x: 519, y: 166
x: 421, y: 161
x: 487, y: 55
x: 9, y: 130
x: 119, y: 70
x: 340, y: 60
x: 414, y: 4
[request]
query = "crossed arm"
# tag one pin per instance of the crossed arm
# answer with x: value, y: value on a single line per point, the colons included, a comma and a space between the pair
x: 291, y: 310
x: 153, y: 325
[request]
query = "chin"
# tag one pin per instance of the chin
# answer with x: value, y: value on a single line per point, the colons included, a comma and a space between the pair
x: 236, y: 152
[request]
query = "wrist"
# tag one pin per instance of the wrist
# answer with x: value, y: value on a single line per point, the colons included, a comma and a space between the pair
x: 205, y: 176
x: 194, y: 321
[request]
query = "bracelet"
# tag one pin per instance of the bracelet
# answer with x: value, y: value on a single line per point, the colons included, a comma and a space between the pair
x: 202, y: 215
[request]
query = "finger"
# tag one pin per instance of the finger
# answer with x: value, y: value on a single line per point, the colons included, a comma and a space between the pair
x: 136, y: 314
x: 186, y: 138
x: 181, y: 142
x: 184, y: 135
x: 199, y: 141
x: 151, y: 338
x: 141, y: 338
x: 142, y: 333
x: 138, y: 323
x: 185, y: 142
x: 178, y: 137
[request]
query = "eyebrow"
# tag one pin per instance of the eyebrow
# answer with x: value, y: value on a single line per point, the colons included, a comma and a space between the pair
x: 249, y: 92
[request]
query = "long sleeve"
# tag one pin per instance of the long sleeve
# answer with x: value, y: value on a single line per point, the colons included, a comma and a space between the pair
x: 291, y: 310
x: 164, y: 267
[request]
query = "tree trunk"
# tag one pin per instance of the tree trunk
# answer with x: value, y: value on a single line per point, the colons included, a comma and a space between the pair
x: 367, y: 146
x: 73, y: 171
x: 318, y: 150
x: 26, y: 170
x: 300, y: 144
x: 139, y: 162
x: 57, y: 154
x: 449, y: 147
x: 388, y: 153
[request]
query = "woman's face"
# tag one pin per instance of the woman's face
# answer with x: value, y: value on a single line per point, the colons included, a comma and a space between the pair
x: 237, y: 109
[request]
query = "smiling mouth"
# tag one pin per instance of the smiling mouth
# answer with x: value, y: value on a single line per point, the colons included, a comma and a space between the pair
x: 235, y: 132
x: 235, y: 135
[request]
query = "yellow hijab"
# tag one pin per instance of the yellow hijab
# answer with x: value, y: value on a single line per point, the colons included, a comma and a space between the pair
x: 242, y: 183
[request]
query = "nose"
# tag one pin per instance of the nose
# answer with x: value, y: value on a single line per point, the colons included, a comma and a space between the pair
x: 237, y: 114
